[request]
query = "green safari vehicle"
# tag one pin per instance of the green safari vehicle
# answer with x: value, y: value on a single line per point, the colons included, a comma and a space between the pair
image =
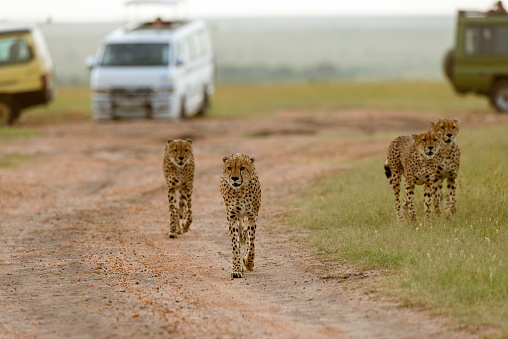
x: 479, y: 61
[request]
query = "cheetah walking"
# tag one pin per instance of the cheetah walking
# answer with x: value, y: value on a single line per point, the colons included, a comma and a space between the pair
x: 178, y: 170
x: 241, y: 191
x: 414, y: 158
x: 447, y: 162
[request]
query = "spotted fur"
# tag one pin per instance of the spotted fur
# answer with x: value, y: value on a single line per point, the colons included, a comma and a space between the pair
x: 178, y: 170
x: 448, y: 162
x: 414, y: 158
x: 241, y: 191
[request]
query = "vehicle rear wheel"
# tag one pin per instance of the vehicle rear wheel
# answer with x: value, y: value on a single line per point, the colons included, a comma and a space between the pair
x: 182, y: 114
x: 499, y: 96
x: 6, y: 113
x: 205, y: 106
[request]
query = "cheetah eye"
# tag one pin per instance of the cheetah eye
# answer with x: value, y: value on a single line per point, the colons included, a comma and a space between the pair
x: 442, y: 127
x: 242, y: 168
x: 424, y: 140
x: 229, y: 168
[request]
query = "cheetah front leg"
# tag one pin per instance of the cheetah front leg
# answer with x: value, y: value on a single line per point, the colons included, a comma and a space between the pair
x: 186, y: 208
x: 174, y: 214
x: 251, y: 236
x: 410, y: 192
x: 236, y: 271
x: 451, y: 197
x: 429, y: 192
x: 395, y: 182
x: 438, y: 197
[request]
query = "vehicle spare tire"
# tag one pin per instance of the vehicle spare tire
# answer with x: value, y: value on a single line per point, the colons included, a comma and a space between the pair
x: 448, y: 64
x: 499, y: 96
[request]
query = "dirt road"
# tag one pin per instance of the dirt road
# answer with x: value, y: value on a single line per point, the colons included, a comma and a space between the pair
x: 85, y: 253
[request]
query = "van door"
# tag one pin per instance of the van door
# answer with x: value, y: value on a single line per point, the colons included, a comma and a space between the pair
x: 193, y: 74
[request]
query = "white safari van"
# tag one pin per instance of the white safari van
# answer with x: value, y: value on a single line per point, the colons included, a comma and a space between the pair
x: 157, y: 70
x: 26, y: 70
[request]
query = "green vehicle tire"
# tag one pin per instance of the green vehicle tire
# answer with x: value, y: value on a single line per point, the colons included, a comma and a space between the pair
x: 499, y: 96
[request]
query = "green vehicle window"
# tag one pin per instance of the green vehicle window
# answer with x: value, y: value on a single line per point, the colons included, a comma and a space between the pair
x: 486, y: 40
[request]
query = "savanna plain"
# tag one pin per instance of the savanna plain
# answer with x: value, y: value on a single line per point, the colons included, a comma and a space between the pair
x: 85, y: 251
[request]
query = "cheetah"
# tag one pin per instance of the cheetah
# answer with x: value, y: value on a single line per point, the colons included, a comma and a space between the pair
x: 447, y: 162
x: 414, y: 158
x: 241, y: 191
x: 178, y: 167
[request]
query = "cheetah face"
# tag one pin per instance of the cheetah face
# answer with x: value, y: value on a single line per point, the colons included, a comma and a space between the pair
x: 427, y: 143
x: 447, y: 130
x: 237, y: 169
x: 179, y: 151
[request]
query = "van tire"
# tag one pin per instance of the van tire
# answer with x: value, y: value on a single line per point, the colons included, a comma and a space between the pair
x: 8, y: 112
x: 182, y: 114
x: 205, y: 106
x: 499, y: 96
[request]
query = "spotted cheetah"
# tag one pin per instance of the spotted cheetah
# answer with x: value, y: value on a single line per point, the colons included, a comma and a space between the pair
x: 414, y: 158
x: 241, y: 191
x: 448, y: 162
x: 178, y: 170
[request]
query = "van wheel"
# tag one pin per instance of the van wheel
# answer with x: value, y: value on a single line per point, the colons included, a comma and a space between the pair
x: 499, y: 96
x: 205, y: 106
x: 182, y: 114
x: 7, y: 113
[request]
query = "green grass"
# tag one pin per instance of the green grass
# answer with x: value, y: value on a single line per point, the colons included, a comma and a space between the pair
x: 248, y: 100
x: 8, y: 133
x: 457, y: 266
x: 72, y: 104
x: 13, y: 159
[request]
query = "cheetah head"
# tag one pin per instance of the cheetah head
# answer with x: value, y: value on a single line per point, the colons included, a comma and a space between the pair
x: 179, y: 151
x: 237, y: 169
x: 427, y: 143
x: 447, y: 130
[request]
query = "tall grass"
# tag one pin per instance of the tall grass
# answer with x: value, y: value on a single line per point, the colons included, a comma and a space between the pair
x: 458, y: 265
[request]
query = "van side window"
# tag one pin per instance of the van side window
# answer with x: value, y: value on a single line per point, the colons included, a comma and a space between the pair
x: 191, y: 46
x: 14, y: 50
x: 182, y: 54
x: 205, y: 42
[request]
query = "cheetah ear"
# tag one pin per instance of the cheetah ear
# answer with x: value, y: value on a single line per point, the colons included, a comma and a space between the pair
x: 414, y: 136
x: 169, y: 140
x: 226, y: 158
x: 431, y: 125
x: 189, y: 140
x: 252, y: 159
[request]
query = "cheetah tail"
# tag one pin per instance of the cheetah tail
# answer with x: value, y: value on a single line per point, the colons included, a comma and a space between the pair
x: 388, y: 172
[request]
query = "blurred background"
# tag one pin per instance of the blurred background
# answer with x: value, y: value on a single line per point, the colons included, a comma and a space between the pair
x: 268, y: 41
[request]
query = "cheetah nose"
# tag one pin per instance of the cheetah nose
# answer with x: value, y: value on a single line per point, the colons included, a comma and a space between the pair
x: 234, y: 178
x: 449, y: 135
x: 430, y: 148
x: 181, y: 158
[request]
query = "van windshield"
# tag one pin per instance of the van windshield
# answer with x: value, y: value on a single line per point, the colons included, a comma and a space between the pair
x: 133, y: 54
